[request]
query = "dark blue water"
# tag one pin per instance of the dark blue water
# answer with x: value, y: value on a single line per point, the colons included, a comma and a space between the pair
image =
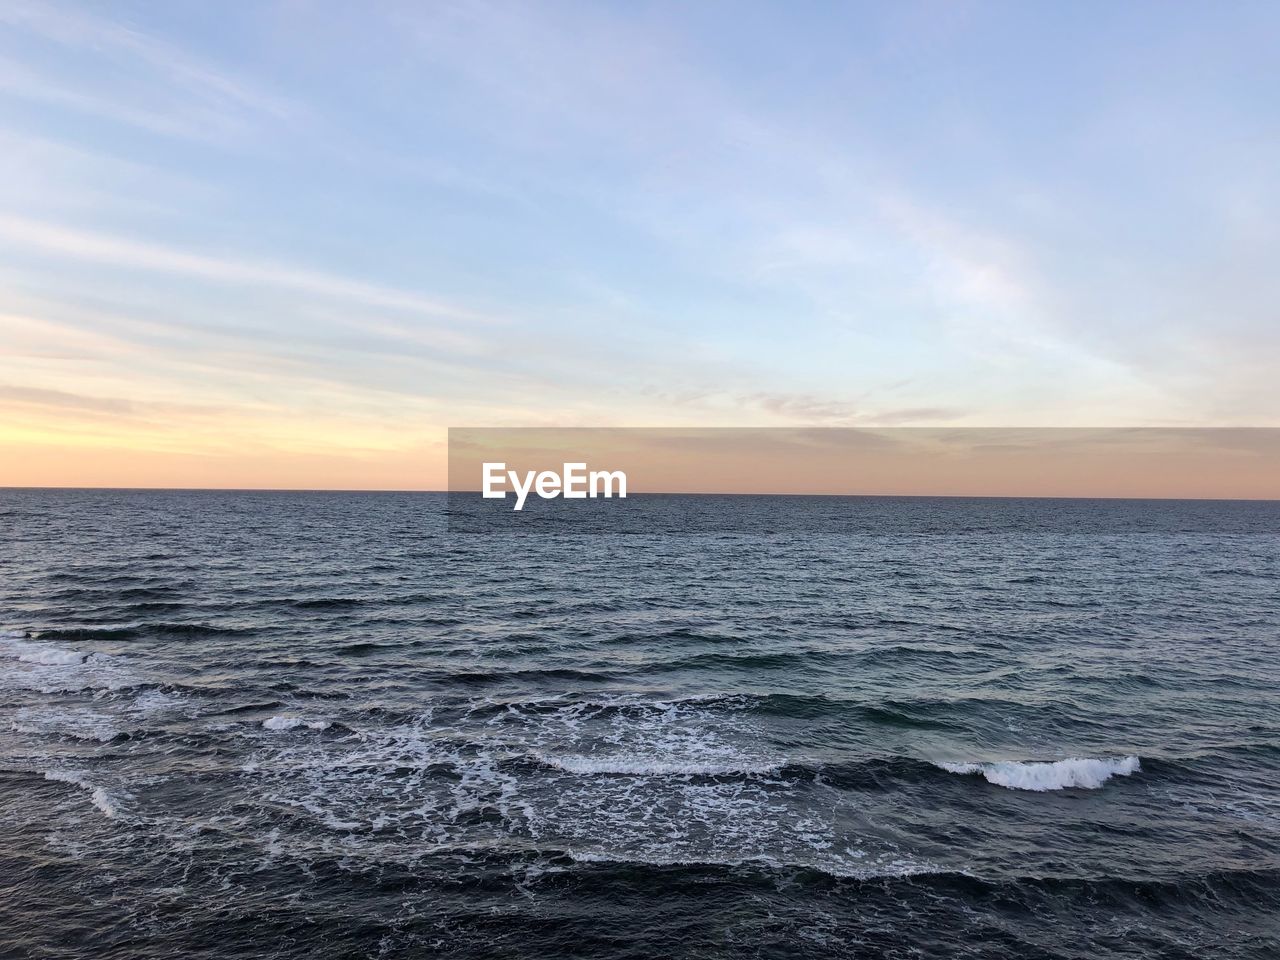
x: 320, y: 725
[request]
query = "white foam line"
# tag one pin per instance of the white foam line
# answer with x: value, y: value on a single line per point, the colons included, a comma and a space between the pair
x: 586, y: 765
x: 98, y: 796
x: 43, y: 654
x: 1084, y: 773
x: 292, y: 723
x: 897, y: 868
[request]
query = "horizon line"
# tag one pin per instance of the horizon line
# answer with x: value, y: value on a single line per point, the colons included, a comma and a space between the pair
x: 653, y: 493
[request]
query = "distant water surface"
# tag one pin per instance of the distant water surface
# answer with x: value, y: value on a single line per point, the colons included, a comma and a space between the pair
x: 321, y: 725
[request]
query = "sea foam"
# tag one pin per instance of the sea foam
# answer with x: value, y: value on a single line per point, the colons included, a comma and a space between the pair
x: 1084, y: 773
x: 292, y: 723
x: 52, y: 656
x: 68, y: 722
x: 648, y: 767
x: 47, y: 668
x: 97, y: 795
x: 43, y: 654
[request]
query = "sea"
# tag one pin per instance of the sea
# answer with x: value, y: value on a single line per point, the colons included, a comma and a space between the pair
x: 314, y: 725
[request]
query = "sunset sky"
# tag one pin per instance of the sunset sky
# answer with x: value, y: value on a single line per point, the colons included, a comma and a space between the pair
x: 1141, y: 462
x: 288, y: 244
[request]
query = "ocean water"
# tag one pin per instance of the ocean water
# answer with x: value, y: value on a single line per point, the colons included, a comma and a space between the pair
x: 322, y: 725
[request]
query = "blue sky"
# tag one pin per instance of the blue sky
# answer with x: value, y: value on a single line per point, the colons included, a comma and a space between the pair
x: 261, y: 242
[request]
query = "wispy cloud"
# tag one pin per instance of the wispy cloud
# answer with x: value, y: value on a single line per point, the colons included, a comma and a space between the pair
x: 88, y: 32
x: 123, y: 252
x: 153, y: 84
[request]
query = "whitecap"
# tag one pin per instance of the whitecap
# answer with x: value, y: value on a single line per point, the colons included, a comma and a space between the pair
x: 102, y: 800
x: 292, y: 723
x: 43, y: 654
x: 1084, y: 773
x: 46, y: 668
x: 80, y: 724
x: 151, y: 702
x: 98, y: 796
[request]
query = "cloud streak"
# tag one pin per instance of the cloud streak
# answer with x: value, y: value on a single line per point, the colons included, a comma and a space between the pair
x: 122, y: 252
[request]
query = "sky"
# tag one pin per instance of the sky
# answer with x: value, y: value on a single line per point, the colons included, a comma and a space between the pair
x: 1212, y: 463
x: 288, y: 244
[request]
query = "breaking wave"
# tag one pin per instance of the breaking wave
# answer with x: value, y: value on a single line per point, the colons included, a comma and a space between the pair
x: 42, y: 654
x: 1082, y: 773
x: 98, y: 796
x: 292, y: 723
x: 47, y: 668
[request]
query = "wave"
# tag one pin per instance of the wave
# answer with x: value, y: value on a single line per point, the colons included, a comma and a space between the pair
x: 485, y: 677
x: 926, y: 713
x: 46, y: 655
x: 897, y: 654
x: 362, y: 647
x: 837, y: 869
x: 83, y: 725
x: 873, y: 774
x: 746, y: 661
x: 192, y: 629
x: 292, y: 723
x: 87, y: 633
x: 1083, y: 773
x: 97, y: 795
x: 153, y: 628
x: 51, y: 669
x: 1242, y: 888
x: 153, y: 606
x: 650, y: 767
x: 603, y: 703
